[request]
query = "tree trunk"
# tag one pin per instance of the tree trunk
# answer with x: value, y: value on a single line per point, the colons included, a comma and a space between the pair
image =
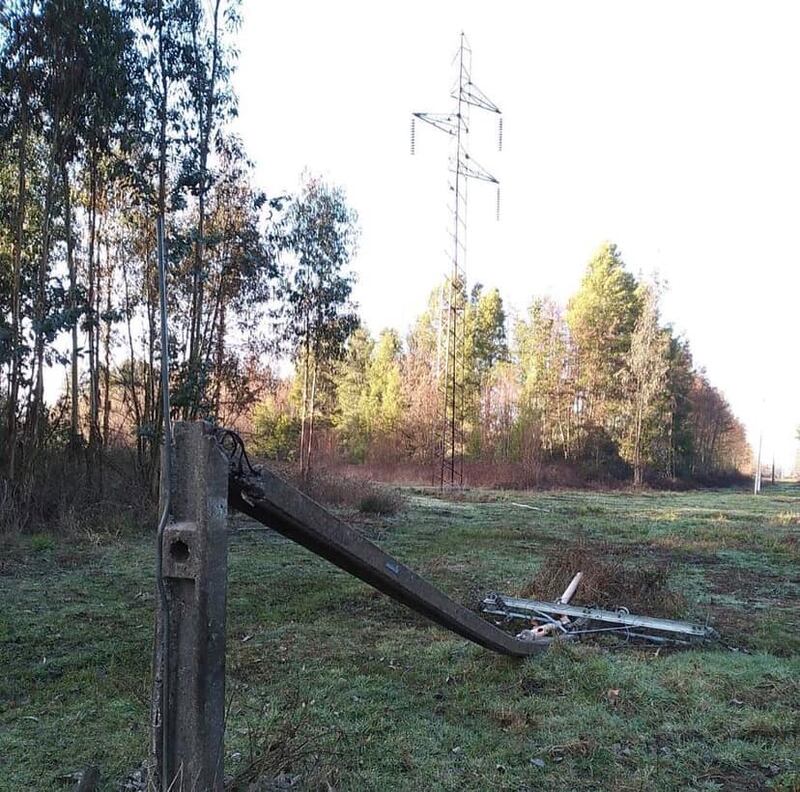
x: 36, y: 404
x: 107, y: 352
x: 205, y: 120
x: 195, y: 334
x: 134, y: 396
x: 15, y: 374
x: 220, y: 354
x: 303, y: 412
x: 637, y: 445
x: 73, y: 307
x: 310, y: 442
x: 93, y: 314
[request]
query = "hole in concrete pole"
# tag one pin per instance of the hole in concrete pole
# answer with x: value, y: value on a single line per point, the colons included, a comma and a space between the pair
x: 179, y: 550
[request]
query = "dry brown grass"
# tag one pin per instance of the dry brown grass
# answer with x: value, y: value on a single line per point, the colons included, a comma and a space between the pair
x: 607, y: 581
x: 489, y: 474
x: 331, y: 488
x: 289, y: 751
x: 66, y: 494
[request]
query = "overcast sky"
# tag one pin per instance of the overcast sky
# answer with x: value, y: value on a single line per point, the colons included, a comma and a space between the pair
x: 670, y: 128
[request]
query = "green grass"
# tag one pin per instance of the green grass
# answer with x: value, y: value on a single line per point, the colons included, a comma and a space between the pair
x: 334, y: 682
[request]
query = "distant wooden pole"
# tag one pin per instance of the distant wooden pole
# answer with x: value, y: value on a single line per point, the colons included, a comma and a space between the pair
x: 757, y: 483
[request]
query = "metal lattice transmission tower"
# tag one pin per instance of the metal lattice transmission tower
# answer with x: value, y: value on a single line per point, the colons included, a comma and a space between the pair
x: 450, y: 358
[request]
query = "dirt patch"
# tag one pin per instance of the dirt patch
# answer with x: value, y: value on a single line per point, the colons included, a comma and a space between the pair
x: 743, y: 583
x: 607, y: 581
x: 744, y: 779
x: 734, y: 625
x: 776, y: 630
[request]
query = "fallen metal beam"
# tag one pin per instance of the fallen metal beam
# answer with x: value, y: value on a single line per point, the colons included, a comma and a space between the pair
x: 275, y: 503
x: 526, y: 609
x: 528, y: 506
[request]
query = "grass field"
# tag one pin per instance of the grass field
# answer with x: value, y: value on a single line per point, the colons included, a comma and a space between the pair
x: 336, y: 687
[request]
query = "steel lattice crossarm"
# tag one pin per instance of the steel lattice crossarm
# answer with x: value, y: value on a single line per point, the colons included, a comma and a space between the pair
x: 472, y: 95
x: 616, y: 620
x: 473, y: 170
x: 446, y: 122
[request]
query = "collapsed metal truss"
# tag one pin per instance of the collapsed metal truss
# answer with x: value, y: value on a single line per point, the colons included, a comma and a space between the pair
x: 450, y: 359
x: 576, y: 621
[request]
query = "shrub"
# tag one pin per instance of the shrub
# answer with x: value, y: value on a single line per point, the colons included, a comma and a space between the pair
x: 68, y: 492
x: 335, y: 489
x: 607, y: 581
x: 381, y: 501
x: 42, y: 542
x: 275, y: 434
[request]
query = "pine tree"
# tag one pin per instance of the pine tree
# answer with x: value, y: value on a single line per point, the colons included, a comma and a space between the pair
x: 601, y: 317
x: 646, y: 375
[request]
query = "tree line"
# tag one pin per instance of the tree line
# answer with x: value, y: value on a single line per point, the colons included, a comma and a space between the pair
x: 600, y: 385
x: 114, y: 113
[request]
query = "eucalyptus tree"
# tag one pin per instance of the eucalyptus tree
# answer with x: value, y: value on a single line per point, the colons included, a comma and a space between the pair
x: 647, y: 367
x: 239, y: 282
x: 109, y: 96
x: 320, y: 234
x: 18, y: 131
x: 208, y: 103
x: 66, y: 47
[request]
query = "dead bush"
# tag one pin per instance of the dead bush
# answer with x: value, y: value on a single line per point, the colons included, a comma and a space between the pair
x: 287, y: 751
x: 607, y: 581
x: 334, y: 489
x: 501, y: 475
x: 68, y: 492
x: 382, y: 501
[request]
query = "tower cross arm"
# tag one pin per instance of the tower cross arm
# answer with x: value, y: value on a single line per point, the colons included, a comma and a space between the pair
x: 472, y: 170
x: 472, y: 95
x: 446, y: 122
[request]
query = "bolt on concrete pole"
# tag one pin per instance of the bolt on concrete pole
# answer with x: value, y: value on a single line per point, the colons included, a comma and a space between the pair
x: 188, y: 721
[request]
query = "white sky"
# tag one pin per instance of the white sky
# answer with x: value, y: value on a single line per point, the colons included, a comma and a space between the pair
x: 670, y: 128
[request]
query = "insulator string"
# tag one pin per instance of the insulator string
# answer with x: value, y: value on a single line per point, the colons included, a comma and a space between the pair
x: 413, y: 135
x: 500, y: 133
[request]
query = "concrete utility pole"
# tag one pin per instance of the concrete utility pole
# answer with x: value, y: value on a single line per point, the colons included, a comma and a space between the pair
x: 189, y: 672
